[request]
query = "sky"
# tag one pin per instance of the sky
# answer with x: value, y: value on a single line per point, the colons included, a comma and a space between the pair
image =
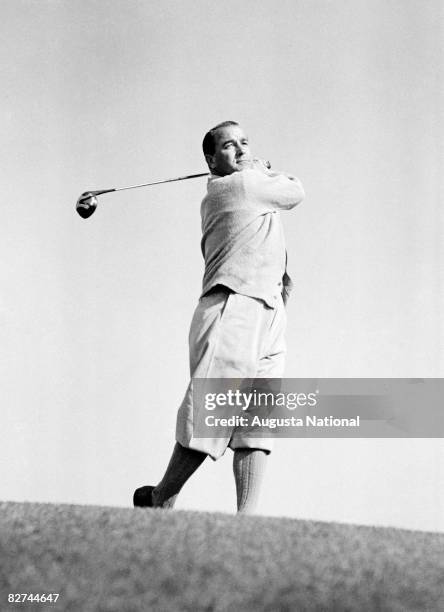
x: 95, y: 314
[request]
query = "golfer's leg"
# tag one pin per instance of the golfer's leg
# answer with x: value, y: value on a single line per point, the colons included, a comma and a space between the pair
x: 183, y: 463
x: 248, y: 467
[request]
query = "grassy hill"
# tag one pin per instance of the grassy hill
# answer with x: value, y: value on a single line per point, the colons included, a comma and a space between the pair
x: 118, y: 559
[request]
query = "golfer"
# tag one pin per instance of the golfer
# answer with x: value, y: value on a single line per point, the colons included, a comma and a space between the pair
x: 238, y: 326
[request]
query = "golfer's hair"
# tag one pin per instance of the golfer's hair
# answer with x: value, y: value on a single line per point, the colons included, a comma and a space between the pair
x: 209, y: 143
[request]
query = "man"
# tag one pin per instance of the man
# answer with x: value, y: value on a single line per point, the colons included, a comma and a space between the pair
x: 238, y: 327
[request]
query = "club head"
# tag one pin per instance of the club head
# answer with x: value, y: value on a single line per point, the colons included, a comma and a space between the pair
x: 86, y: 204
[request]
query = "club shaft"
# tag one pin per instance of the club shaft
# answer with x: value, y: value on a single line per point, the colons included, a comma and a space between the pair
x: 180, y: 178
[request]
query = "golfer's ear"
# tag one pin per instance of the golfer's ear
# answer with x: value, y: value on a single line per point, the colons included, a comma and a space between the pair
x: 210, y: 161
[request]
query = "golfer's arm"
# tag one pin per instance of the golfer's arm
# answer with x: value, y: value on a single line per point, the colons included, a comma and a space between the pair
x: 282, y: 191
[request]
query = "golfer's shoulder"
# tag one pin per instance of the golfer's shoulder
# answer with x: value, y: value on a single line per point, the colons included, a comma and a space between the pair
x: 247, y: 181
x: 228, y: 185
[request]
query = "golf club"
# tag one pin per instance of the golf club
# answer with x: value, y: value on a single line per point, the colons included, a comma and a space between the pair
x: 87, y: 202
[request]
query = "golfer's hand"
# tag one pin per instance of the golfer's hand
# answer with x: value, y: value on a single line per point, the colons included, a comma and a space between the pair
x: 262, y: 165
x: 287, y: 286
x: 265, y: 167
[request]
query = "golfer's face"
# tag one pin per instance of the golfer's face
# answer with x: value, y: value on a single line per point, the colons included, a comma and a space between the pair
x: 232, y: 152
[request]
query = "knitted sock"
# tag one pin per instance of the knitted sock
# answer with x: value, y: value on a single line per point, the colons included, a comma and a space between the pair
x: 248, y: 468
x: 183, y: 463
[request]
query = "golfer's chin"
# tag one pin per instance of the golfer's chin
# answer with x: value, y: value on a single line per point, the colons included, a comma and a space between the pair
x: 243, y: 164
x: 234, y: 166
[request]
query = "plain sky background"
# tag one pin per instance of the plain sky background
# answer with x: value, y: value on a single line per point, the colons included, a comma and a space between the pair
x: 347, y: 95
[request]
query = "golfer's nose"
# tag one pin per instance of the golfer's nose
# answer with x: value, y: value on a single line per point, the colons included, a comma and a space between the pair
x: 240, y: 148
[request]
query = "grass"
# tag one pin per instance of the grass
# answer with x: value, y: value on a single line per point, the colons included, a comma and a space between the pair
x: 117, y: 559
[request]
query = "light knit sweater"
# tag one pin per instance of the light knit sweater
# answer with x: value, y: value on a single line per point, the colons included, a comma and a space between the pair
x: 242, y: 236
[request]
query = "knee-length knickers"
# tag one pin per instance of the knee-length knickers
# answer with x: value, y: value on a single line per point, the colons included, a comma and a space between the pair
x: 231, y: 336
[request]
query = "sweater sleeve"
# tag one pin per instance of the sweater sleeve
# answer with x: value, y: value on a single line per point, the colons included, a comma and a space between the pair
x: 272, y: 191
